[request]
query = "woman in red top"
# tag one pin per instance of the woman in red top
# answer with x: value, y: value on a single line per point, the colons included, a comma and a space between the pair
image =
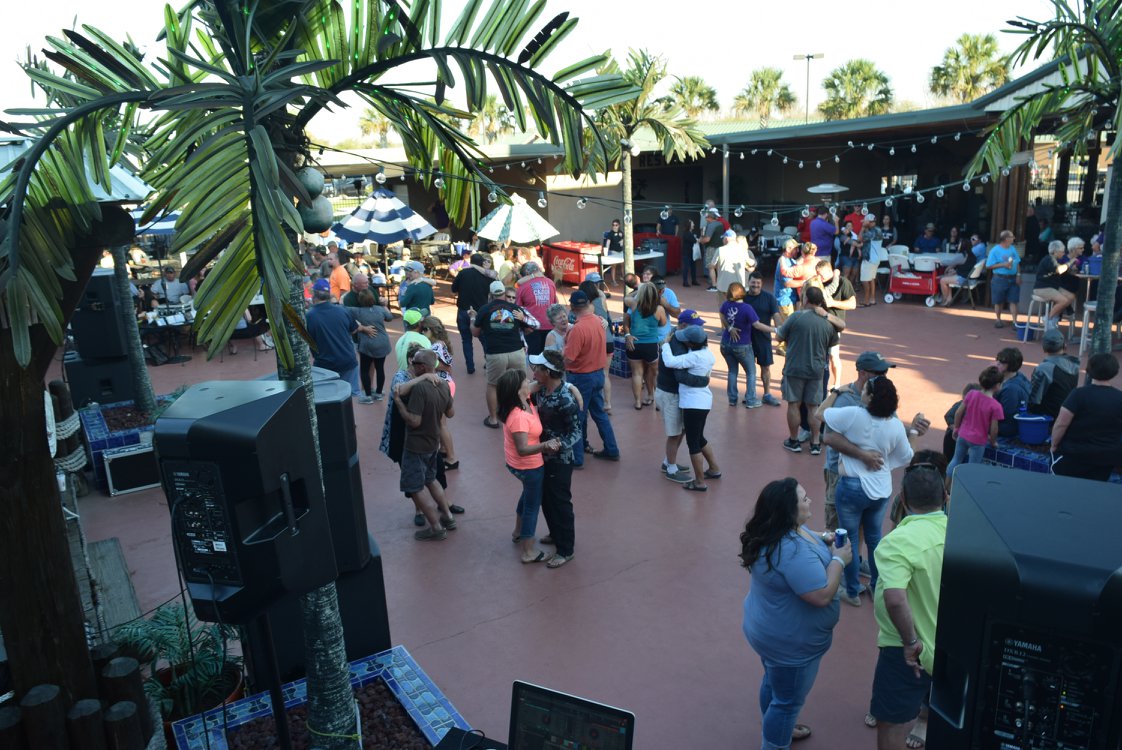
x: 521, y: 443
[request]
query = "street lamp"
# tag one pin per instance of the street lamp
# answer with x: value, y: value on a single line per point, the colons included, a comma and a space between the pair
x: 808, y: 58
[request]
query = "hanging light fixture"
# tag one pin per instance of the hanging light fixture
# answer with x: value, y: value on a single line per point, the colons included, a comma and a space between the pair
x: 920, y: 198
x: 665, y: 213
x: 892, y: 151
x: 837, y: 159
x: 438, y: 182
x: 940, y: 192
x: 864, y: 209
x: 913, y: 148
x: 380, y: 178
x: 582, y: 203
x: 739, y: 211
x: 818, y: 165
x: 888, y: 202
x: 542, y: 202
x: 493, y: 197
x: 775, y: 219
x: 806, y: 211
x: 966, y: 186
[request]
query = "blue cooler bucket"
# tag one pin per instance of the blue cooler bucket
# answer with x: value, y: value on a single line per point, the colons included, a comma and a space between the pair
x: 1033, y: 429
x: 1024, y: 333
x: 1094, y: 265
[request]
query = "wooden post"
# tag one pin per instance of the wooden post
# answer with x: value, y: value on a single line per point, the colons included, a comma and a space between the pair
x: 120, y: 681
x: 11, y: 728
x: 83, y: 725
x: 122, y: 727
x: 44, y: 718
x: 102, y: 654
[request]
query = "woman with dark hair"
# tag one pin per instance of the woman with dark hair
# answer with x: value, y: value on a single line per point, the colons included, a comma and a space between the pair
x: 689, y: 263
x: 865, y: 484
x: 592, y: 286
x: 791, y: 608
x: 640, y: 334
x: 1087, y: 435
x: 372, y: 350
x: 521, y: 443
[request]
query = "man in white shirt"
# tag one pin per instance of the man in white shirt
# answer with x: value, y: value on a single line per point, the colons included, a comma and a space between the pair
x: 169, y: 289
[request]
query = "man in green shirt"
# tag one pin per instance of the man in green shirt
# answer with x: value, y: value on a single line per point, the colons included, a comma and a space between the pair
x: 412, y: 319
x: 417, y: 294
x: 906, y: 604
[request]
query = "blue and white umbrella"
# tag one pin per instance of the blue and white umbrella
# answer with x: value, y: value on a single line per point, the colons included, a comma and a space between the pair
x: 516, y: 222
x: 384, y: 219
x: 162, y: 225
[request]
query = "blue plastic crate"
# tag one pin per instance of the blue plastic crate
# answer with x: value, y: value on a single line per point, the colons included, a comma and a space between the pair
x: 620, y: 365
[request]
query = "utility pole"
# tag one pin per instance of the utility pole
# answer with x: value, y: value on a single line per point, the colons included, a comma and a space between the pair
x: 808, y: 57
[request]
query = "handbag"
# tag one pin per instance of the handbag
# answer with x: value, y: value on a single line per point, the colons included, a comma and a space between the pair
x: 696, y: 251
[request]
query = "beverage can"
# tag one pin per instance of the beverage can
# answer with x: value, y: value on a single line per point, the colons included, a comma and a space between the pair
x: 840, y: 537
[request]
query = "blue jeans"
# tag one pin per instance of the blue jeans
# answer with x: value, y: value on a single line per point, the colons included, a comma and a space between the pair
x: 783, y: 692
x: 351, y: 377
x: 735, y: 357
x: 591, y: 387
x: 463, y: 323
x: 856, y: 511
x: 965, y: 452
x: 530, y: 501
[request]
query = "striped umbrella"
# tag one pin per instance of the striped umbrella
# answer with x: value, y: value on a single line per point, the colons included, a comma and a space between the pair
x: 162, y: 225
x: 384, y: 219
x: 516, y: 222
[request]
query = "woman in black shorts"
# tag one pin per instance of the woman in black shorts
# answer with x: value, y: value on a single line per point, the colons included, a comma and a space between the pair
x: 640, y: 332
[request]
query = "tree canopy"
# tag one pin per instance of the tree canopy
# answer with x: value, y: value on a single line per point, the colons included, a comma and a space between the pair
x: 971, y: 68
x: 694, y: 96
x: 765, y: 93
x: 856, y: 89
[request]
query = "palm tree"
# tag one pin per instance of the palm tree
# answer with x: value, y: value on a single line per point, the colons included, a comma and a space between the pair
x: 856, y: 89
x: 491, y: 120
x: 1077, y: 109
x: 374, y: 123
x: 621, y: 122
x: 219, y: 124
x: 765, y: 93
x: 970, y: 69
x: 694, y: 96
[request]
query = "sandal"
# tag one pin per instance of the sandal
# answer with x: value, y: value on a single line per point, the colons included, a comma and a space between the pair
x: 801, y: 732
x: 914, y: 741
x: 488, y: 423
x: 451, y: 465
x: 709, y: 474
x: 693, y: 486
x: 870, y: 721
x: 530, y: 560
x: 557, y: 561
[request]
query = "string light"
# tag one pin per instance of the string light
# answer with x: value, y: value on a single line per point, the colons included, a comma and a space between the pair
x: 818, y: 165
x: 833, y: 210
x: 493, y: 197
x: 985, y: 178
x: 438, y: 183
x: 542, y: 202
x: 837, y: 159
x: 665, y: 214
x: 713, y: 150
x: 864, y: 209
x: 888, y: 202
x: 934, y: 139
x: 800, y: 165
x: 739, y: 211
x: 582, y: 203
x: 742, y: 156
x: 849, y: 143
x: 784, y: 159
x: 775, y: 219
x: 871, y: 146
x: 1005, y: 171
x: 380, y: 178
x: 806, y: 211
x: 913, y: 148
x: 958, y: 136
x: 966, y: 186
x: 891, y: 151
x: 920, y: 198
x: 940, y: 192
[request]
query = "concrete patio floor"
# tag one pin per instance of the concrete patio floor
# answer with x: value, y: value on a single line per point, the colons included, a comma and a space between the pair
x: 647, y: 615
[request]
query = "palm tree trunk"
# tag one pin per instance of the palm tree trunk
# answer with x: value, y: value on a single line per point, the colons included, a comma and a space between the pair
x: 1108, y: 280
x: 331, y: 704
x: 143, y: 395
x: 628, y: 215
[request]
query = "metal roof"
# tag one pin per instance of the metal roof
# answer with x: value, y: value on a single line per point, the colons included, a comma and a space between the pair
x: 124, y: 186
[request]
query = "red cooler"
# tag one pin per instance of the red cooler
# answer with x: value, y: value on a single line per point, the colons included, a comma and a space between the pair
x: 568, y: 260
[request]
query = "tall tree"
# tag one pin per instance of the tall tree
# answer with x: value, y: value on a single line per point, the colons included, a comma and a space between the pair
x: 620, y: 123
x: 1077, y: 109
x: 971, y: 68
x: 374, y: 123
x: 230, y: 103
x: 856, y: 89
x: 491, y: 120
x: 694, y: 96
x: 765, y: 93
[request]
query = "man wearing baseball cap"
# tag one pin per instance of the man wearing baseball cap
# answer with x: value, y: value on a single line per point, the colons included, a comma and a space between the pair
x: 536, y: 293
x: 667, y: 383
x: 417, y: 294
x: 711, y: 240
x: 499, y: 325
x: 331, y: 327
x: 732, y: 262
x: 585, y: 357
x: 869, y: 365
x: 411, y: 318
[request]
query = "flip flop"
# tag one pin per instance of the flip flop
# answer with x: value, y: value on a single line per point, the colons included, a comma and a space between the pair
x: 695, y: 487
x: 870, y: 721
x: 531, y: 560
x: 801, y: 732
x: 914, y: 741
x: 712, y: 475
x: 488, y: 423
x: 451, y: 466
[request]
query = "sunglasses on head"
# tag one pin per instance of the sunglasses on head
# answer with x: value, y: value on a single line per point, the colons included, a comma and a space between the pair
x: 922, y: 465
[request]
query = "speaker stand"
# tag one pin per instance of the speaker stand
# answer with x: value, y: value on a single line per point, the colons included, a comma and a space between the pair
x: 272, y: 677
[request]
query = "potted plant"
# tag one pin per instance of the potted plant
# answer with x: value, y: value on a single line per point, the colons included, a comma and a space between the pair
x: 190, y: 668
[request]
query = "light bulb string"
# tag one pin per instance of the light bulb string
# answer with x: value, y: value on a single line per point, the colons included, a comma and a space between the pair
x: 660, y: 205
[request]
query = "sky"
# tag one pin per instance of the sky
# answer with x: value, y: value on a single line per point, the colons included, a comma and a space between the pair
x: 723, y: 44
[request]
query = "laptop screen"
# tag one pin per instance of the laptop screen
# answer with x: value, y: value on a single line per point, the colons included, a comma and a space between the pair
x: 542, y: 719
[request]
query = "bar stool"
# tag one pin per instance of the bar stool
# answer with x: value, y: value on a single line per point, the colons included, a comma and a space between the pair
x: 1089, y: 309
x: 1041, y: 308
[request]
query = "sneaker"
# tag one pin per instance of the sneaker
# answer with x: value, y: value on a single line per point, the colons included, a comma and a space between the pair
x: 771, y: 400
x: 863, y: 569
x: 455, y: 508
x: 711, y: 289
x: 753, y: 404
x: 681, y: 477
x: 558, y: 560
x: 804, y: 435
x: 377, y: 397
x: 430, y: 535
x: 605, y: 455
x: 365, y: 399
x: 733, y: 402
x: 678, y: 468
x: 816, y: 449
x: 853, y: 601
x: 419, y: 519
x: 792, y: 445
x: 448, y: 523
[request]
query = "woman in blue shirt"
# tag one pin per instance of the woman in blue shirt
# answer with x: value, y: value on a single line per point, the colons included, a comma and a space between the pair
x: 738, y: 320
x: 640, y: 332
x: 792, y: 607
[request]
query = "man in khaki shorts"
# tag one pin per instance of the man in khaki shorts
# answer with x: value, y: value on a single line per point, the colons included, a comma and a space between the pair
x: 666, y: 398
x: 499, y: 325
x: 809, y: 334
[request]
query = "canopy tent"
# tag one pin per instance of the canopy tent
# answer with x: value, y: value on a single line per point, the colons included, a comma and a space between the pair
x: 516, y: 222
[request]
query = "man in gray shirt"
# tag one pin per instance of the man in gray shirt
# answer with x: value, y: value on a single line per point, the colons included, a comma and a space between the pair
x: 809, y: 334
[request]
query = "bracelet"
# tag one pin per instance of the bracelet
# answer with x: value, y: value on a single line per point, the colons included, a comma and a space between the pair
x: 835, y: 557
x: 911, y: 643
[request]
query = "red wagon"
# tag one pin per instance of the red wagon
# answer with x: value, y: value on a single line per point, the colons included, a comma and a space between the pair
x: 920, y: 276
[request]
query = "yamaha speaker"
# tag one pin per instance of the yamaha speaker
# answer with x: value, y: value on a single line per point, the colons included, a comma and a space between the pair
x: 249, y: 525
x: 99, y: 331
x: 362, y: 608
x: 104, y: 381
x: 342, y: 477
x: 1029, y: 642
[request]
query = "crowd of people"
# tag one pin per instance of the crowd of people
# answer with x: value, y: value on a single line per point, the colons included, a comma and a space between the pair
x: 546, y: 362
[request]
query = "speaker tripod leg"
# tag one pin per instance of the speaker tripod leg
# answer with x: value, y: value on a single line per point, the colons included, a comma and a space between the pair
x: 272, y: 675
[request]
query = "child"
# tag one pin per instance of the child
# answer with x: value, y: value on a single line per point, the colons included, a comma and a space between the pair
x: 948, y: 434
x: 975, y: 422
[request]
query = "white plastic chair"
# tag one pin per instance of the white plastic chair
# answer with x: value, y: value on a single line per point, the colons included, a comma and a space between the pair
x: 973, y: 281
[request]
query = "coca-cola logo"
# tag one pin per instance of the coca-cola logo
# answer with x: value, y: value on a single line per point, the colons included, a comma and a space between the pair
x: 564, y: 264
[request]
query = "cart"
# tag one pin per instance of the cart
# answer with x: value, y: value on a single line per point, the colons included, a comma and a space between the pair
x: 917, y: 276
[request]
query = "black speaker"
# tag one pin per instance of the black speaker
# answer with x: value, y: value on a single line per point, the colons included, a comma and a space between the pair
x: 248, y: 519
x: 362, y: 608
x: 342, y: 477
x: 105, y: 381
x: 1029, y: 642
x: 96, y: 323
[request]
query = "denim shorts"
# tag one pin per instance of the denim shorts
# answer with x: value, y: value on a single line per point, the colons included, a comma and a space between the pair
x: 1004, y: 289
x: 897, y: 692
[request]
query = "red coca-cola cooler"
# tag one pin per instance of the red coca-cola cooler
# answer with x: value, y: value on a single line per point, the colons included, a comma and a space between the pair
x: 570, y: 261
